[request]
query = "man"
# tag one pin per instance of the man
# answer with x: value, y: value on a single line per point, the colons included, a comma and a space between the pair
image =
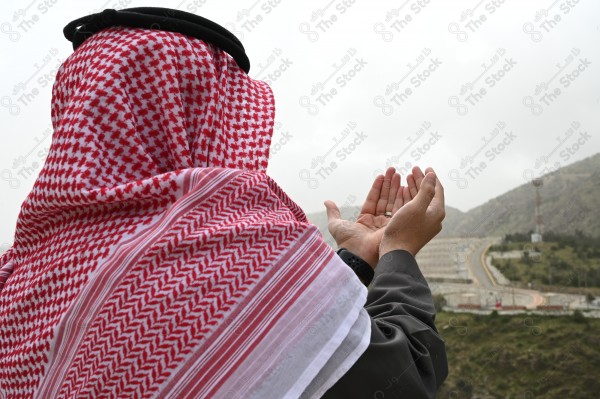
x: 154, y: 258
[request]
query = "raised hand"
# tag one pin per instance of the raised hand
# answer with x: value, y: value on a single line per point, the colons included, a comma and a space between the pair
x: 416, y: 223
x: 364, y: 236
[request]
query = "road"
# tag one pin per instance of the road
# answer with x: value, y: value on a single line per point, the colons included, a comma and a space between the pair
x: 488, y: 290
x: 480, y: 273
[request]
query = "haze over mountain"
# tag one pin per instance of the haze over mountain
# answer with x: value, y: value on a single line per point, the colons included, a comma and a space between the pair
x: 569, y: 202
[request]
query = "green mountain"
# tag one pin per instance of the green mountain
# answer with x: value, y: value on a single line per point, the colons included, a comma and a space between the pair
x: 569, y: 202
x: 520, y: 356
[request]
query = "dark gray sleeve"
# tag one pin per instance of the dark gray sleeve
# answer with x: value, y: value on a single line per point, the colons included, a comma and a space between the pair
x: 406, y: 357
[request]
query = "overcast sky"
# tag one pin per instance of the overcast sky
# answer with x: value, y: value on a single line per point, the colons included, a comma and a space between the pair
x: 490, y: 93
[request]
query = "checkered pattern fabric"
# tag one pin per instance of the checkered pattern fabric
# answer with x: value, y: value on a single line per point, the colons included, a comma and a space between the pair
x: 154, y: 258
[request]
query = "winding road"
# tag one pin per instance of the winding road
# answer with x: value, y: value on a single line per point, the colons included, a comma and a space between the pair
x: 485, y: 291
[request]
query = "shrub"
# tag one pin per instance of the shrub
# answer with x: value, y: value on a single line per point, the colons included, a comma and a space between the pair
x: 578, y: 317
x: 439, y: 302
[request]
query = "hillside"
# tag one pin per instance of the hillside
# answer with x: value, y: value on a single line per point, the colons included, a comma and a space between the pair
x: 524, y: 356
x: 569, y: 202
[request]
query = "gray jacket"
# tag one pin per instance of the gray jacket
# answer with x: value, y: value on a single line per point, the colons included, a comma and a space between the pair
x: 406, y: 357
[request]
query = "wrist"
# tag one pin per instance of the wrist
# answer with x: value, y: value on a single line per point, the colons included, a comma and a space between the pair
x: 384, y: 248
x: 363, y: 270
x: 370, y: 257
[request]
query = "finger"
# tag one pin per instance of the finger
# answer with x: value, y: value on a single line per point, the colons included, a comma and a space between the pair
x: 399, y: 200
x: 429, y: 169
x: 393, y: 192
x: 333, y: 212
x: 438, y: 201
x: 370, y: 205
x: 406, y: 195
x: 418, y: 175
x: 385, y: 191
x: 426, y: 192
x: 412, y: 185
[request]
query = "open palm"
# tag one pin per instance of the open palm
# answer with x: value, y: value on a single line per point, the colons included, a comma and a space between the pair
x: 364, y: 236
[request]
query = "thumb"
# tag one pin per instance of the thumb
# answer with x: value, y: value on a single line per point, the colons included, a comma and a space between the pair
x: 333, y: 212
x: 426, y: 192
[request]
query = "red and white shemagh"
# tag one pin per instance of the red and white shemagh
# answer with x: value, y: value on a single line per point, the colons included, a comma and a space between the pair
x: 154, y: 258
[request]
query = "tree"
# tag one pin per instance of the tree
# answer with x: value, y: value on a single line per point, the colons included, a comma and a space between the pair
x: 525, y: 258
x: 589, y: 298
